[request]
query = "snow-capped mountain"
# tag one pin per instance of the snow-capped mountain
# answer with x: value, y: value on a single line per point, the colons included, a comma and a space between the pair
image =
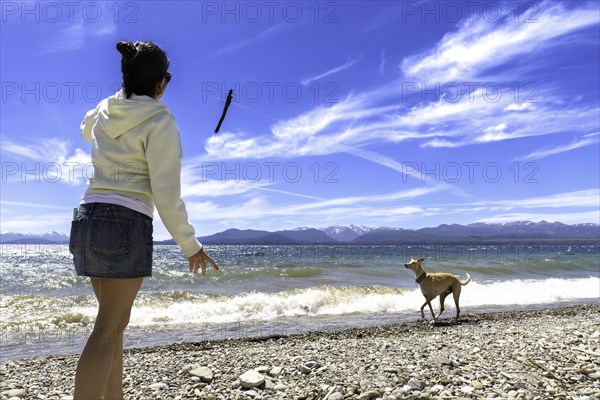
x: 349, y: 233
x: 520, y: 230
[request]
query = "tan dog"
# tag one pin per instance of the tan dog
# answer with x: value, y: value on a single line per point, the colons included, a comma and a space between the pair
x: 433, y: 285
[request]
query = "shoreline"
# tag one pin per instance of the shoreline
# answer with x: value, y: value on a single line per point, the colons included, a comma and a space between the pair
x: 542, y: 353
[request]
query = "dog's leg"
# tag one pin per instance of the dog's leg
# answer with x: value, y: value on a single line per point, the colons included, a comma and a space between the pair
x: 423, y: 307
x: 431, y: 309
x: 427, y: 303
x: 442, y: 299
x: 456, y: 293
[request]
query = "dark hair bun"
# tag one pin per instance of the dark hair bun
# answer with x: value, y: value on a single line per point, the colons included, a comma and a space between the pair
x: 144, y: 65
x: 127, y: 49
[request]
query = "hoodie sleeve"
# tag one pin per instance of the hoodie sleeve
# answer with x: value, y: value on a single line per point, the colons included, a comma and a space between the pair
x: 163, y: 154
x: 87, y: 124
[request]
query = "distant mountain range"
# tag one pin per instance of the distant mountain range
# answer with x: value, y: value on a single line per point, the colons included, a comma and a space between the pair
x: 32, y: 238
x: 522, y: 231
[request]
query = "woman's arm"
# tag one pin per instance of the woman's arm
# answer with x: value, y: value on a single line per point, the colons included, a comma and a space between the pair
x: 163, y: 154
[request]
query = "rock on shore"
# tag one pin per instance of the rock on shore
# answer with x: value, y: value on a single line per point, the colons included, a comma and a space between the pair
x: 543, y: 354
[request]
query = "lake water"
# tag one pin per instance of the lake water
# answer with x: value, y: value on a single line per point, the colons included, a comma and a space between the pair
x: 265, y: 290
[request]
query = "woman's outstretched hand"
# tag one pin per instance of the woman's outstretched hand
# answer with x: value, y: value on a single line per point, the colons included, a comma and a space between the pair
x: 199, y: 260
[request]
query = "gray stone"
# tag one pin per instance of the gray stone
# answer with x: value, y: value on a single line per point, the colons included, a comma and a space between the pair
x: 371, y: 394
x: 477, y: 385
x: 275, y: 371
x: 416, y: 384
x: 15, y: 393
x: 436, y: 388
x: 251, y: 379
x: 158, y: 386
x: 336, y: 396
x: 268, y: 385
x: 262, y: 369
x: 467, y: 389
x: 189, y: 367
x: 305, y: 369
x: 442, y: 360
x: 204, y: 373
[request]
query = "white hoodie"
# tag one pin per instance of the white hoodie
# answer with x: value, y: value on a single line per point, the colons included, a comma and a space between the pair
x: 136, y: 153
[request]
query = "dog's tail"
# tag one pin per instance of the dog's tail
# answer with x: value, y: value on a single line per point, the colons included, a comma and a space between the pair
x: 467, y: 281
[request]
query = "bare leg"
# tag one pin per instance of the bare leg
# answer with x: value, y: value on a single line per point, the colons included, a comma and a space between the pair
x: 115, y: 378
x: 114, y: 385
x: 95, y: 376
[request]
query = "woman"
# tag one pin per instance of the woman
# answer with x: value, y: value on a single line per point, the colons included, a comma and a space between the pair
x: 136, y: 153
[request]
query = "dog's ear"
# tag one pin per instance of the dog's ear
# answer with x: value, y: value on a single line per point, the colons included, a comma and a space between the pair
x: 421, y: 259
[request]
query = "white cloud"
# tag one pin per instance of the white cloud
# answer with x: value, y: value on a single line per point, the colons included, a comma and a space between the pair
x: 477, y: 116
x: 393, y: 208
x: 47, y: 150
x: 578, y: 199
x: 479, y: 45
x: 320, y: 131
x: 569, y: 207
x: 520, y: 107
x: 38, y: 223
x: 494, y: 133
x: 586, y: 140
x: 408, y: 170
x: 51, y: 162
x: 233, y: 47
x: 565, y: 218
x: 350, y: 62
x: 382, y: 62
x: 362, y: 206
x: 216, y: 188
x: 488, y: 122
x: 75, y: 34
x: 33, y: 205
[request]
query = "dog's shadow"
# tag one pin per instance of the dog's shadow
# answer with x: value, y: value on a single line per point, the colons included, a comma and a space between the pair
x: 446, y: 323
x: 452, y: 322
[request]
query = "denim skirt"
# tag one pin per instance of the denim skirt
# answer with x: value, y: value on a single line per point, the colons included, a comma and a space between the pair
x: 111, y: 241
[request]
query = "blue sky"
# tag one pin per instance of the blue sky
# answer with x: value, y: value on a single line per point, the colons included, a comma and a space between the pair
x: 395, y: 113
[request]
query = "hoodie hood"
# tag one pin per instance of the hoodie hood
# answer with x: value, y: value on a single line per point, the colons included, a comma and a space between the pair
x: 117, y: 115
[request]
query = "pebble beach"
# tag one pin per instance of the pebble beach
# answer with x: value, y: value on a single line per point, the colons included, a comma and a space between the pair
x: 540, y: 354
